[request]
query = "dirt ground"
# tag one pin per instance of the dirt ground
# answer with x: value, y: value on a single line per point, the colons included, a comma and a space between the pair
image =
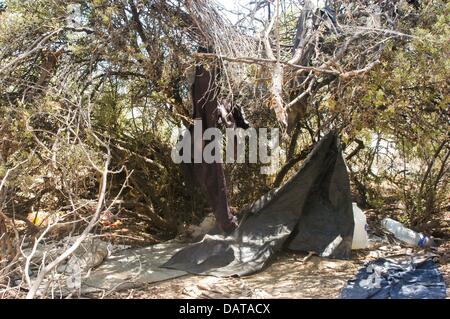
x: 288, y: 276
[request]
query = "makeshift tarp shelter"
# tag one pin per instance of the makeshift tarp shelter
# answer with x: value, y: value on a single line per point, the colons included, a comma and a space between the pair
x: 311, y: 212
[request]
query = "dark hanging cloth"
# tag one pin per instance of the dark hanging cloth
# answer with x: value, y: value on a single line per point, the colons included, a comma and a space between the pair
x: 209, y: 176
x: 396, y: 279
x: 311, y: 212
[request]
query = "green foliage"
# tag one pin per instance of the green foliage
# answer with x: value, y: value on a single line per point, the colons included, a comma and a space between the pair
x: 405, y: 101
x: 121, y: 79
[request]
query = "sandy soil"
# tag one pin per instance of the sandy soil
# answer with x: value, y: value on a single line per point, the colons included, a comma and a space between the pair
x: 288, y: 276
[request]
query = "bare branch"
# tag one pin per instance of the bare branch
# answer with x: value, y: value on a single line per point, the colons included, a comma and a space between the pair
x: 43, y: 273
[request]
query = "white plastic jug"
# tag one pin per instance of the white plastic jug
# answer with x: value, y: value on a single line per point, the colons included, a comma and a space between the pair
x: 360, y: 237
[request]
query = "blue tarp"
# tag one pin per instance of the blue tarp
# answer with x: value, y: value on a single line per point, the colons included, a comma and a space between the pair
x: 384, y: 279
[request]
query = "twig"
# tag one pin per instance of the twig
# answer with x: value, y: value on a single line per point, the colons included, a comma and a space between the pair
x: 37, y: 282
x: 262, y: 61
x: 34, y: 49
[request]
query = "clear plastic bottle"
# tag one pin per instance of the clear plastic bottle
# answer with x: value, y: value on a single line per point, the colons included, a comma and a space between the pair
x: 405, y: 234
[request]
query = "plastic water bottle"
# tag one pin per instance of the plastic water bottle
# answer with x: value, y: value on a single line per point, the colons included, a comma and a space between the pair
x: 360, y: 237
x: 404, y: 234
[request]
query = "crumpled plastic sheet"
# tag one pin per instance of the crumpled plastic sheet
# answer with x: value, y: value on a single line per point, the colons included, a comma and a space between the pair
x: 392, y: 279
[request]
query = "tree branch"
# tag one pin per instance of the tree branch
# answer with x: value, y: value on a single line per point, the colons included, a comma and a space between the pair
x: 37, y: 282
